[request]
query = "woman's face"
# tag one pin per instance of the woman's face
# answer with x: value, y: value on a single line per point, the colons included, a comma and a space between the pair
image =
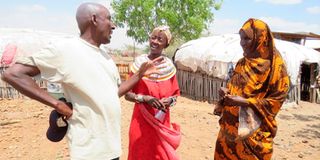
x: 246, y: 43
x: 157, y: 42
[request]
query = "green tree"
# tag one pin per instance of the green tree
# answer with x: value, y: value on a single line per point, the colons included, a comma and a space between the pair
x: 186, y: 18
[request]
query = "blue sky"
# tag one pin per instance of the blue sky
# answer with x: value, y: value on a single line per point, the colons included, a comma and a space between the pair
x: 281, y: 15
x: 59, y: 16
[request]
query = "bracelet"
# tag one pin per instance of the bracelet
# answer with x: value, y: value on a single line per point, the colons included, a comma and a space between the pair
x: 174, y: 101
x: 138, y: 98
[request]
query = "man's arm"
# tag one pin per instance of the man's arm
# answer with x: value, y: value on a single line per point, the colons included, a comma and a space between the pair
x: 126, y: 86
x: 20, y: 77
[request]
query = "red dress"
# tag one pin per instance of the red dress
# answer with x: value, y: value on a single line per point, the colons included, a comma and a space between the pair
x: 150, y: 139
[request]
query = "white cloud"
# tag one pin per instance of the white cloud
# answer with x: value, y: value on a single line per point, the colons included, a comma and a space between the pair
x: 278, y: 24
x: 28, y: 17
x: 222, y: 26
x: 31, y: 8
x: 67, y: 24
x: 284, y: 2
x: 45, y: 21
x: 120, y: 39
x: 314, y: 10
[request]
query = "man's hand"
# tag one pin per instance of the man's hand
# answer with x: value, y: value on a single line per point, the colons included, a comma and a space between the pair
x: 64, y: 108
x: 150, y: 67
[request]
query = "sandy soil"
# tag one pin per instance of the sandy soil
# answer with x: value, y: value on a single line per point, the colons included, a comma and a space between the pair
x: 23, y: 125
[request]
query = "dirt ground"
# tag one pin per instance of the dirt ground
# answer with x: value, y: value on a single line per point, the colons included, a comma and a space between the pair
x: 23, y: 125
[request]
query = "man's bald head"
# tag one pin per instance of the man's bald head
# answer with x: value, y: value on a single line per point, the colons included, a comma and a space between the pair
x: 85, y: 12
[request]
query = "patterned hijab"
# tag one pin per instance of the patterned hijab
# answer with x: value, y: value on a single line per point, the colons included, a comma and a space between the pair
x: 263, y: 80
x: 261, y: 35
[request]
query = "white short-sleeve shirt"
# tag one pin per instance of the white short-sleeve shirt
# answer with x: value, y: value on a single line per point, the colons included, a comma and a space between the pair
x: 90, y: 80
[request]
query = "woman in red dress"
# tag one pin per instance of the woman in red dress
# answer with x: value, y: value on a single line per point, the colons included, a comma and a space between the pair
x: 152, y: 136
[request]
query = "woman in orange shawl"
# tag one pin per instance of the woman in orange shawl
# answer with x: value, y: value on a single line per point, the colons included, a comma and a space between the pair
x: 152, y: 136
x: 259, y: 83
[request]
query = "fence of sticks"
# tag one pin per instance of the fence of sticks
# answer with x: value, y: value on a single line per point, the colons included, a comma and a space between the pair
x: 200, y: 86
x: 194, y: 85
x: 8, y: 92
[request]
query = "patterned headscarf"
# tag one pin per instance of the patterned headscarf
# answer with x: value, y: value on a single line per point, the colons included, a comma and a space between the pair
x: 261, y: 35
x: 165, y: 30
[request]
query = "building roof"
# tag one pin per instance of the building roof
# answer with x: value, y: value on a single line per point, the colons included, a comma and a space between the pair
x: 299, y: 35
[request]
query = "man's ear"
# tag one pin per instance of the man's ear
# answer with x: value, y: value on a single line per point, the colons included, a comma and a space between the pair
x: 94, y: 19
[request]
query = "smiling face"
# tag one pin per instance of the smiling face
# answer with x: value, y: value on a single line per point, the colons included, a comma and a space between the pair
x: 157, y: 41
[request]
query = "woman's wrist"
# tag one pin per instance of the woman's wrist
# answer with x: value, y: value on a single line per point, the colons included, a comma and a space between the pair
x: 173, y: 101
x: 139, y: 98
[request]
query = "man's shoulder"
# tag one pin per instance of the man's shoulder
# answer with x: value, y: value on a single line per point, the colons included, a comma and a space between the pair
x: 65, y: 42
x: 58, y: 46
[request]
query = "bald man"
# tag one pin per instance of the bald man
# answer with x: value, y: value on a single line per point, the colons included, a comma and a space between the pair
x: 90, y: 81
